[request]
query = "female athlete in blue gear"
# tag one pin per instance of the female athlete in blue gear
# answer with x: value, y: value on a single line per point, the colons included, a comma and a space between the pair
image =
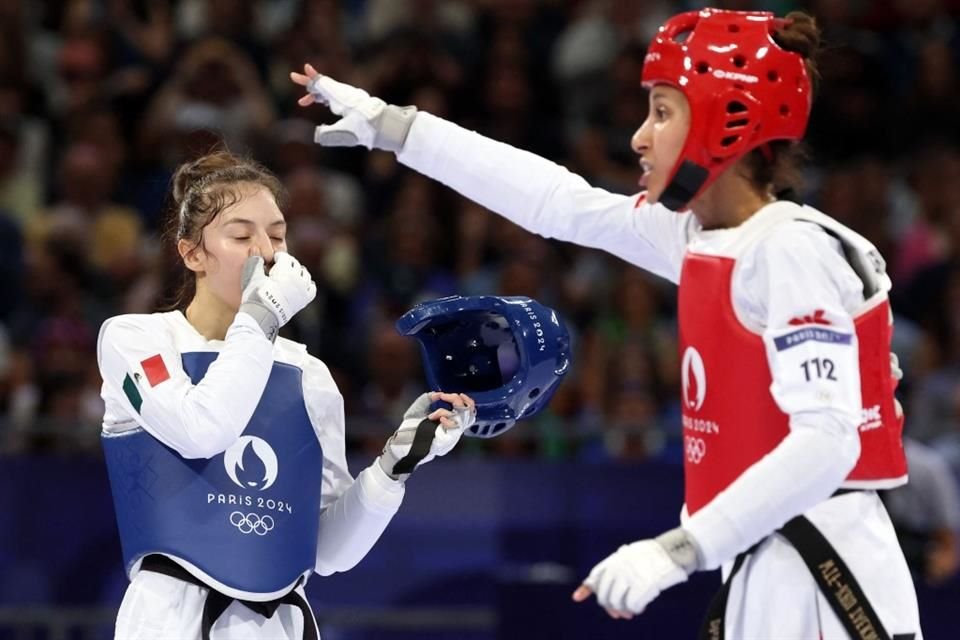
x: 225, y: 442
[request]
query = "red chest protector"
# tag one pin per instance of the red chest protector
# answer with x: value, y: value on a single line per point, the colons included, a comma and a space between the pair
x: 730, y: 419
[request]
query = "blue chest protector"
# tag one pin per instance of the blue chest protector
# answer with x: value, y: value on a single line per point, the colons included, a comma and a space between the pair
x: 248, y: 518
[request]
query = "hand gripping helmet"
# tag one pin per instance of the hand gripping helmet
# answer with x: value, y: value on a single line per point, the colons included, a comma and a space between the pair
x: 507, y: 353
x: 743, y: 91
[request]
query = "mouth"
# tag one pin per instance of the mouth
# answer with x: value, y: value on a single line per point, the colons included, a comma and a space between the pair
x: 647, y: 168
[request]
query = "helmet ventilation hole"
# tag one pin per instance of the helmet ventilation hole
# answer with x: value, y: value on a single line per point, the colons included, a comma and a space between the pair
x: 735, y: 106
x: 733, y: 28
x: 784, y: 110
x: 773, y: 76
x: 702, y: 67
x: 729, y: 140
x: 739, y: 61
x: 534, y: 393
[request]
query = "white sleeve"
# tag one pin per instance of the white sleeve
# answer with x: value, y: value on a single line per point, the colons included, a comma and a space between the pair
x: 545, y: 198
x: 354, y: 513
x: 807, y: 291
x: 354, y: 522
x: 196, y: 420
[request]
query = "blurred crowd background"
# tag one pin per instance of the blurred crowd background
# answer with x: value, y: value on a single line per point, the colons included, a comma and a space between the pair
x: 101, y: 99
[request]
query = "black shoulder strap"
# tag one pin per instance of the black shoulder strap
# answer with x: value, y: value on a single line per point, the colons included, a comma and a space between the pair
x: 853, y: 258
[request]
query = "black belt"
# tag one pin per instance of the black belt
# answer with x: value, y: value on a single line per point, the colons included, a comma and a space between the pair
x: 836, y: 582
x: 216, y: 602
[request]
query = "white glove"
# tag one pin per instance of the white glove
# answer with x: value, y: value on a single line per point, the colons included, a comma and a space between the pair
x: 632, y: 577
x: 423, y: 435
x: 366, y: 120
x: 273, y: 299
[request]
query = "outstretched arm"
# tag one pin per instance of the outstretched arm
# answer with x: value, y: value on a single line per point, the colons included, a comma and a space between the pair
x: 539, y: 195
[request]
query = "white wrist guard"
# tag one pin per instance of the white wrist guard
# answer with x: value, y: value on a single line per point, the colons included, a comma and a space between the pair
x: 365, y: 120
x: 420, y: 440
x: 682, y: 549
x: 393, y: 125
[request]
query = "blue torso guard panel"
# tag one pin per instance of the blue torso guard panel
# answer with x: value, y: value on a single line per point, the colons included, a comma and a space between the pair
x: 248, y: 518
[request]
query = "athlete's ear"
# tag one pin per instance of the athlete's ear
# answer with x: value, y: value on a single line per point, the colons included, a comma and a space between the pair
x: 191, y: 254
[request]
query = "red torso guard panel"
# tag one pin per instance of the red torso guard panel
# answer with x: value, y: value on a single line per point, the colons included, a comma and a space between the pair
x: 730, y: 419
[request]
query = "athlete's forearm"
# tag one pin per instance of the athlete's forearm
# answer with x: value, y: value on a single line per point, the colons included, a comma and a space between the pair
x: 544, y: 197
x: 352, y: 525
x: 802, y: 471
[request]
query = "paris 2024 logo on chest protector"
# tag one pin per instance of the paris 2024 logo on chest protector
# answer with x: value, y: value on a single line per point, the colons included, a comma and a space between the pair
x: 694, y: 379
x: 693, y: 376
x: 251, y: 463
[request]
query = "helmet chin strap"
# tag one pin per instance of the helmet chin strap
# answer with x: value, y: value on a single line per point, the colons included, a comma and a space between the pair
x: 686, y: 183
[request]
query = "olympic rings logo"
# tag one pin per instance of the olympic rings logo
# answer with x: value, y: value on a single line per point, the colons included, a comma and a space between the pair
x: 252, y: 523
x: 696, y: 449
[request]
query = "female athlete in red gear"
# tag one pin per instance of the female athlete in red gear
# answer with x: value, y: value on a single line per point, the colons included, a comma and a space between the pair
x: 789, y: 420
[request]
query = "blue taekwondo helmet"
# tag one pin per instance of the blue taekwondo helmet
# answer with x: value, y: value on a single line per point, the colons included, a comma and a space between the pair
x: 507, y: 353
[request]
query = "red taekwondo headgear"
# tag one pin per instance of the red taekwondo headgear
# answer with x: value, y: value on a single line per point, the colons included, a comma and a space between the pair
x: 743, y: 90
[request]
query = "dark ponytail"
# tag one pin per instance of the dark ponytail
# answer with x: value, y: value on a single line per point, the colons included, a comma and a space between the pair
x: 779, y: 167
x: 801, y: 35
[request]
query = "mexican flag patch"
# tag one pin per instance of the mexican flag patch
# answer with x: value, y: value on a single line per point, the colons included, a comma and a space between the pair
x: 132, y: 392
